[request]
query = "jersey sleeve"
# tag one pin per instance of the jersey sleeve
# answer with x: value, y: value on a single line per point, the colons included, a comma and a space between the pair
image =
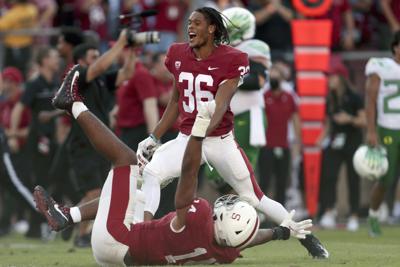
x: 238, y: 67
x: 374, y: 66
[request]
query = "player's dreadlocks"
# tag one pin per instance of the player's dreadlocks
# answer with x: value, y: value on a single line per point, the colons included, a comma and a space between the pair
x: 214, y: 18
x: 395, y: 40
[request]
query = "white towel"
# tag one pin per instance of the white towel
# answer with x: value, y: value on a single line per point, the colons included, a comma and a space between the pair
x: 257, y: 130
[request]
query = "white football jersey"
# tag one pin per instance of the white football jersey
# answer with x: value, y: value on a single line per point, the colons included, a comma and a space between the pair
x: 388, y: 106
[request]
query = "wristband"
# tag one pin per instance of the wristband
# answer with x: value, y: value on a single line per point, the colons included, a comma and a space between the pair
x: 154, y: 138
x: 78, y: 108
x: 280, y: 233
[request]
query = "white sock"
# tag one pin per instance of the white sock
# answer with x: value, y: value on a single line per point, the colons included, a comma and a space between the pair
x: 373, y: 213
x: 75, y: 214
x: 272, y: 209
x: 396, y: 209
x: 78, y: 108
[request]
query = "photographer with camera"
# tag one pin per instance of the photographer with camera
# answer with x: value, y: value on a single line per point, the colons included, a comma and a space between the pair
x: 98, y: 85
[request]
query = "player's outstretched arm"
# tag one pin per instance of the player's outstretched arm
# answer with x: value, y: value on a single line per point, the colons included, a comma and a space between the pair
x: 222, y: 100
x: 283, y: 232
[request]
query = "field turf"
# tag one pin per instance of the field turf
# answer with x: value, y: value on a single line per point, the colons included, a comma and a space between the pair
x: 347, y: 249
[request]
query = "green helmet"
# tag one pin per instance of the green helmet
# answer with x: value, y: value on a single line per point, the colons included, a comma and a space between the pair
x: 256, y: 49
x: 241, y: 24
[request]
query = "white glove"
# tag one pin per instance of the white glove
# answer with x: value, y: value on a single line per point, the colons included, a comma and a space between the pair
x: 205, y: 110
x: 145, y: 151
x: 297, y: 229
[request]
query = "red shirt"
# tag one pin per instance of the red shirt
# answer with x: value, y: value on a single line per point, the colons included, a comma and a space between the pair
x: 279, y: 109
x: 130, y: 97
x: 154, y: 243
x: 5, y: 115
x: 200, y: 79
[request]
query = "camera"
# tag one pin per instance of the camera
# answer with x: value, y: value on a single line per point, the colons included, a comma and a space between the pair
x: 140, y: 38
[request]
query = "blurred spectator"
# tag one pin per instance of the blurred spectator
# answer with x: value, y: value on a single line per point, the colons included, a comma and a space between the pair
x: 221, y: 5
x: 65, y: 13
x: 388, y: 15
x: 363, y: 22
x: 13, y: 81
x: 68, y: 39
x: 391, y: 11
x: 343, y: 24
x: 22, y: 15
x: 137, y: 106
x: 274, y: 161
x: 91, y: 15
x: 41, y: 139
x: 168, y: 21
x: 47, y: 10
x: 340, y: 138
x: 273, y: 19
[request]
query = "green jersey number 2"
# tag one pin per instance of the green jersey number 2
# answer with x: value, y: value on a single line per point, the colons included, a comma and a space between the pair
x: 386, y: 99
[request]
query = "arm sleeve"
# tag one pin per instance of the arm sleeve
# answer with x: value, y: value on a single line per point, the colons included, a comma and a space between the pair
x: 373, y: 67
x: 239, y: 66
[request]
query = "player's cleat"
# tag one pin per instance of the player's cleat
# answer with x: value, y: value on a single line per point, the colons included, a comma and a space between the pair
x: 58, y: 216
x: 68, y: 93
x: 374, y: 228
x: 314, y: 247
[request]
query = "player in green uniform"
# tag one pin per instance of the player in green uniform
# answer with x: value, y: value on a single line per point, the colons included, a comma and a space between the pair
x: 383, y: 119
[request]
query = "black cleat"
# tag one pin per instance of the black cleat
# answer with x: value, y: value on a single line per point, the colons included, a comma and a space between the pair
x: 68, y: 93
x: 58, y: 216
x: 314, y: 247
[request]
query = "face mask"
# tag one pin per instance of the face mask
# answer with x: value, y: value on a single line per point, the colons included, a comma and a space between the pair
x: 274, y: 83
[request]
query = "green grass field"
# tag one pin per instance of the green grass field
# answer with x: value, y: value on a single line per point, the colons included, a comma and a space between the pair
x: 347, y: 249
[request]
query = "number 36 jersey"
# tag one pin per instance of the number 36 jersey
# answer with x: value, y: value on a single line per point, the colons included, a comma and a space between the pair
x: 388, y: 101
x: 198, y: 80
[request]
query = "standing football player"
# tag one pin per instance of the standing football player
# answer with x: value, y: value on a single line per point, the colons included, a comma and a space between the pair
x: 194, y: 233
x: 205, y: 69
x: 383, y: 122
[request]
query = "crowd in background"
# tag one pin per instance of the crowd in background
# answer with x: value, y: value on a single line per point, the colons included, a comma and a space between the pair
x: 53, y: 38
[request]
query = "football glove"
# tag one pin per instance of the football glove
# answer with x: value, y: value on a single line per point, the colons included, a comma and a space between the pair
x: 297, y: 229
x: 145, y: 151
x: 205, y: 110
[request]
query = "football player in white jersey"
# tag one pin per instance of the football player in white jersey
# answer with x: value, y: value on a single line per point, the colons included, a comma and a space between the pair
x: 383, y: 121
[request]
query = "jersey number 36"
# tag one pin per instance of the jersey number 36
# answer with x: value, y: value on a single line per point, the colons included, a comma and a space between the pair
x: 193, y: 91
